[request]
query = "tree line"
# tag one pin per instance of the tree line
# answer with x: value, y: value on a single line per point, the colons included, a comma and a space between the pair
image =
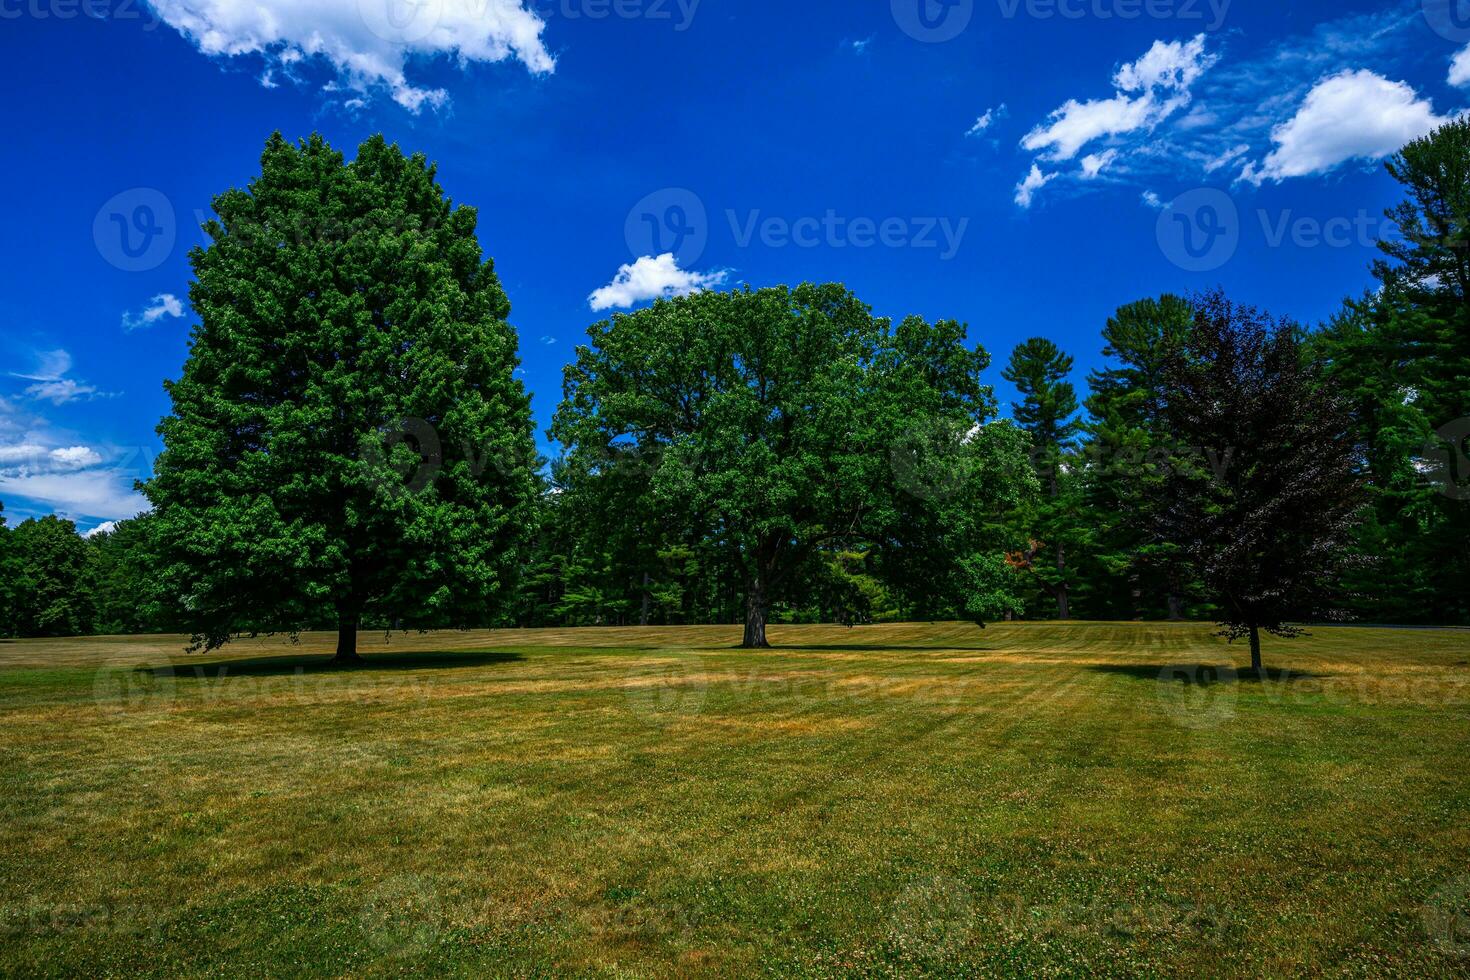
x: 349, y: 447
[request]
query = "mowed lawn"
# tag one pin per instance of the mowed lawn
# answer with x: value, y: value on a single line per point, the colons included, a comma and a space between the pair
x: 893, y: 800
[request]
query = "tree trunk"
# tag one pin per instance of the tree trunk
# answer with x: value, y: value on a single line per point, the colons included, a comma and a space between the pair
x: 1176, y: 607
x: 755, y: 617
x: 643, y: 610
x: 347, y: 640
x: 1064, y: 603
x: 1256, y: 667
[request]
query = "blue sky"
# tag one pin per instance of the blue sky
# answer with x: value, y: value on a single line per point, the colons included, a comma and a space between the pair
x: 1023, y: 165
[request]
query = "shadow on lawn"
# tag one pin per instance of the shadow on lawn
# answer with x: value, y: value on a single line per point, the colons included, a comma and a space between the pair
x: 291, y: 666
x: 870, y: 648
x: 1206, y: 673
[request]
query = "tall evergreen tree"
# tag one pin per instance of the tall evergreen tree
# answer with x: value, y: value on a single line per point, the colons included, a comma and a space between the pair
x: 1267, y: 496
x: 1047, y: 412
x: 1142, y: 573
x: 348, y: 444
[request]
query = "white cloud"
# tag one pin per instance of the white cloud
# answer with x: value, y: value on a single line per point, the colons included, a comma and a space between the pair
x: 1161, y: 79
x: 1353, y: 115
x: 97, y: 493
x: 162, y: 305
x: 861, y: 46
x: 50, y: 366
x: 1153, y: 200
x: 987, y: 120
x: 1035, y: 181
x: 1095, y: 163
x: 106, y: 527
x: 61, y: 391
x: 1460, y: 69
x: 651, y: 278
x: 368, y: 43
x: 1227, y: 157
x: 68, y: 480
x: 51, y: 384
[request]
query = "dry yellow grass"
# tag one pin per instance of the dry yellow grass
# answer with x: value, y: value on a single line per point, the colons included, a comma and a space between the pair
x: 1060, y: 799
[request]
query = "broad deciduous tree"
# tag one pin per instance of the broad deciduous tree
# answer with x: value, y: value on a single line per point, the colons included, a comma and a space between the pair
x: 1266, y: 489
x: 771, y: 417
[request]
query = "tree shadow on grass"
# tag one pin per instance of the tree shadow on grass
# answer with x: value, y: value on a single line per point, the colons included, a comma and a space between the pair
x: 1203, y: 673
x: 870, y: 648
x: 291, y: 666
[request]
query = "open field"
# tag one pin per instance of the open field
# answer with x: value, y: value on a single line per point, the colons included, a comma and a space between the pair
x: 1024, y: 800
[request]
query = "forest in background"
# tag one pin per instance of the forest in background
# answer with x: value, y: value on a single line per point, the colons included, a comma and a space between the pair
x: 662, y: 510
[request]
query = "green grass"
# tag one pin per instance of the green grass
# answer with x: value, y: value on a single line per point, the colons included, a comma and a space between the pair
x: 1024, y: 800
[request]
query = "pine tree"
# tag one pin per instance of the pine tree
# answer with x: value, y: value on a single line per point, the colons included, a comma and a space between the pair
x: 348, y: 445
x: 1047, y: 412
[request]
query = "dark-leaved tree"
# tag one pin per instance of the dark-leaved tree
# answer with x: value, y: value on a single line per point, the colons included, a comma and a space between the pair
x: 1265, y: 488
x: 348, y: 443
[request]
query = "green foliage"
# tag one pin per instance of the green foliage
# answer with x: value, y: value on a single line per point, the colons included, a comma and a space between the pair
x: 52, y: 593
x: 1047, y: 413
x: 347, y: 443
x: 1140, y: 573
x: 765, y: 423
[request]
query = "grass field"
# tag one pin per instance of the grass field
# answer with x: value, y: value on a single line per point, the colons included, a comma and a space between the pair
x: 1024, y: 800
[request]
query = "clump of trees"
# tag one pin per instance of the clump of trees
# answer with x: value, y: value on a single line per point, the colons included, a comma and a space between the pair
x: 349, y: 447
